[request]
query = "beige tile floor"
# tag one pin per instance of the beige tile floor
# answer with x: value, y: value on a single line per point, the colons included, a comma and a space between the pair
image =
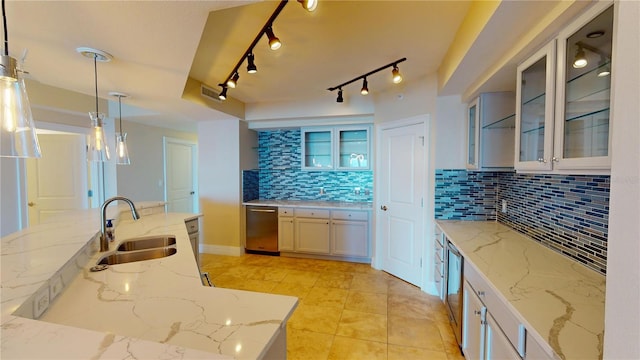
x: 346, y: 310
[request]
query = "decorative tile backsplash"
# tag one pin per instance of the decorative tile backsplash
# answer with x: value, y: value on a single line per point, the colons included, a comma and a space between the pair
x: 462, y: 195
x: 568, y: 213
x: 280, y: 176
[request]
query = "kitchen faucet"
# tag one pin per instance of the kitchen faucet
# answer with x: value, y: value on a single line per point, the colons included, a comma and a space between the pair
x: 104, y: 242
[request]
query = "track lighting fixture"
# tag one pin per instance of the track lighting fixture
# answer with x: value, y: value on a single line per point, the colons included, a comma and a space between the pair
x: 580, y: 60
x: 223, y: 93
x: 397, y: 78
x: 233, y: 81
x: 365, y: 87
x: 365, y: 84
x: 274, y: 43
x: 251, y: 65
x: 340, y: 98
x: 309, y: 5
x: 18, y: 132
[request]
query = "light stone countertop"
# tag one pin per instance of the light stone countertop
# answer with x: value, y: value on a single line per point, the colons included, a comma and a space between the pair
x: 148, y: 309
x: 560, y: 302
x: 342, y: 205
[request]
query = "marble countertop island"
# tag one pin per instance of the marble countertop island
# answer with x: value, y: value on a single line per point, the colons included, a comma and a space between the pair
x: 148, y: 309
x: 560, y: 301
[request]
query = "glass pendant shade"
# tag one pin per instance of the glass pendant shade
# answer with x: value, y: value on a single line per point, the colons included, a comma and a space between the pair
x: 18, y: 131
x: 122, y: 153
x: 98, y: 150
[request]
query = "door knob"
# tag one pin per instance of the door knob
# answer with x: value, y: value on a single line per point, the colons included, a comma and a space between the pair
x: 383, y: 208
x: 191, y: 193
x: 31, y: 204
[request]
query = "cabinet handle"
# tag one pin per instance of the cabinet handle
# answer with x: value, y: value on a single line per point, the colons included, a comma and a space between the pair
x: 522, y: 340
x: 477, y: 312
x: 480, y: 293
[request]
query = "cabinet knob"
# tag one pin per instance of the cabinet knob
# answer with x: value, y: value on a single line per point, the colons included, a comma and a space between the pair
x: 480, y: 293
x: 555, y: 159
x: 542, y: 160
x: 477, y: 312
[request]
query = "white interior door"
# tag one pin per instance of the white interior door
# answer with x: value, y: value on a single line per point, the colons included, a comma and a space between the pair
x: 57, y: 182
x: 401, y: 192
x: 180, y: 189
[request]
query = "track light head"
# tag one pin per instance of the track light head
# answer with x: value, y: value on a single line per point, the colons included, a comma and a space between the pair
x: 340, y: 98
x: 309, y: 5
x: 223, y: 93
x: 397, y: 78
x: 233, y: 81
x: 274, y: 42
x: 365, y: 87
x: 251, y: 66
x: 580, y: 60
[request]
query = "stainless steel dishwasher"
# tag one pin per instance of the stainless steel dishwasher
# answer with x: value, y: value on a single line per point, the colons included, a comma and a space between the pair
x: 262, y: 230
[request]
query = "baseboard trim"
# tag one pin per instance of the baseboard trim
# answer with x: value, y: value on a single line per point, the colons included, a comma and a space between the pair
x: 221, y: 250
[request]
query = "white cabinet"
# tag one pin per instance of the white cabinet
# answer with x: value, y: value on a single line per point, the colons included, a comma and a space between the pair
x: 345, y: 148
x: 574, y: 136
x: 323, y: 233
x: 473, y: 314
x: 285, y: 229
x: 193, y: 229
x: 350, y: 233
x: 491, y: 131
x: 501, y: 335
x: 497, y: 345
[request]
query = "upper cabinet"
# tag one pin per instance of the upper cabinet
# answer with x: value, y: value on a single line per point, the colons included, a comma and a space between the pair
x: 345, y: 148
x: 490, y: 131
x: 576, y: 135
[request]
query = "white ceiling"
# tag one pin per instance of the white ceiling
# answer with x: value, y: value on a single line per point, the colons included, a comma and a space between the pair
x: 158, y: 45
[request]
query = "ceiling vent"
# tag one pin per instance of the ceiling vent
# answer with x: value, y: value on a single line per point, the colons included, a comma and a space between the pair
x: 209, y: 93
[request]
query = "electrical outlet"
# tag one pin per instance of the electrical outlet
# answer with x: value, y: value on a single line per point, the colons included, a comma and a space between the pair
x: 504, y: 206
x: 40, y: 302
x: 55, y: 287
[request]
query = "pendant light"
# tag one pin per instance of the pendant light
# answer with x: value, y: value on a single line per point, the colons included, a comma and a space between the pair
x: 98, y: 149
x: 122, y: 152
x: 18, y: 133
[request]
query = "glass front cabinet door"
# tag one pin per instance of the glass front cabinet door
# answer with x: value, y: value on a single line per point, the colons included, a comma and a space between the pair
x: 317, y: 149
x: 352, y: 148
x: 584, y: 84
x: 534, y: 110
x: 473, y: 135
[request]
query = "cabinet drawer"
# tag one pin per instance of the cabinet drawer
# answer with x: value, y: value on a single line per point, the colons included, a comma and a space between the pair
x: 192, y: 226
x: 285, y: 211
x: 350, y: 215
x: 505, y: 319
x: 312, y: 213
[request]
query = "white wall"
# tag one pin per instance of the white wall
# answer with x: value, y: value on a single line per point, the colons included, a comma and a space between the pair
x: 622, y: 316
x: 219, y: 185
x: 450, y: 133
x: 12, y: 195
x: 143, y: 179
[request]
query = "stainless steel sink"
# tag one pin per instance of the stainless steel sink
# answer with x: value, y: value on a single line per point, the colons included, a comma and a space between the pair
x: 147, y: 242
x: 139, y: 255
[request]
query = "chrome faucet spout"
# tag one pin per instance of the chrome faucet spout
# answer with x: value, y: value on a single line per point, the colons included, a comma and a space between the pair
x: 104, y: 242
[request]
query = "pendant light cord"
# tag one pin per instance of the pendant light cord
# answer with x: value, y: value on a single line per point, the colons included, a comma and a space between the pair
x: 120, y: 112
x: 6, y: 36
x: 95, y: 72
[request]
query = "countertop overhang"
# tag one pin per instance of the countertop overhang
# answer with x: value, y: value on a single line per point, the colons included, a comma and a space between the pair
x: 343, y: 205
x: 148, y: 309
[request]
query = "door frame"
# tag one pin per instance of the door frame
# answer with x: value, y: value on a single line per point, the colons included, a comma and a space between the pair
x: 427, y: 212
x: 194, y: 168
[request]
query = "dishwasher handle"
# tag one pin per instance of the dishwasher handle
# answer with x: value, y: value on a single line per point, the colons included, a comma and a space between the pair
x: 263, y: 210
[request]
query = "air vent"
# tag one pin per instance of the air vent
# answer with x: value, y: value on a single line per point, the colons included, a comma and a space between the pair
x: 209, y: 93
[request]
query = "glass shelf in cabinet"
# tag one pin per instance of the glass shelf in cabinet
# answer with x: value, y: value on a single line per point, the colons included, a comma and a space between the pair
x: 538, y: 99
x: 530, y: 131
x: 508, y: 122
x: 592, y: 113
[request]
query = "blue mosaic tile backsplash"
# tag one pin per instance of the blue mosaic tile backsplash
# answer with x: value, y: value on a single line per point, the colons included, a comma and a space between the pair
x: 462, y: 195
x: 280, y: 176
x: 567, y: 213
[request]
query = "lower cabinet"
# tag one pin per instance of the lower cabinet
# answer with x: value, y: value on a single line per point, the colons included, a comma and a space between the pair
x: 312, y: 235
x: 340, y: 234
x: 490, y: 331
